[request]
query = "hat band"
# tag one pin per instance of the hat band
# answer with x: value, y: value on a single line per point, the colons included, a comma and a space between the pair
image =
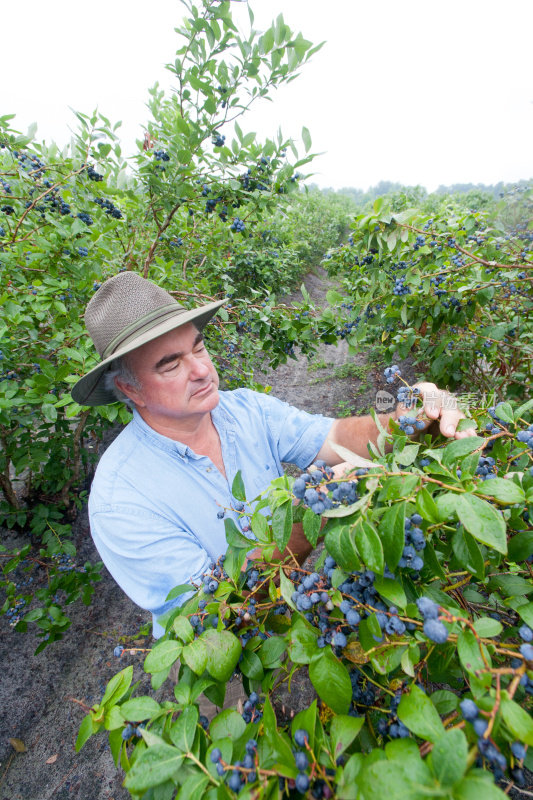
x: 141, y: 325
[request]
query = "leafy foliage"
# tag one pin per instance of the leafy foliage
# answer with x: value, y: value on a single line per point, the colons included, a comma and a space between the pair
x: 425, y: 579
x: 197, y: 209
x: 453, y: 288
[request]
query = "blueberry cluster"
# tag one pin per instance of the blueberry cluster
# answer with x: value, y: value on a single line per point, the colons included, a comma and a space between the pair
x: 391, y: 373
x: 486, y: 747
x: 419, y: 242
x: 212, y: 578
x: 93, y: 175
x: 241, y: 772
x: 31, y: 164
x: 238, y: 225
x: 160, y: 155
x: 14, y: 612
x: 433, y: 627
x: 390, y: 725
x: 218, y: 140
x: 108, y: 207
x: 526, y: 437
x: 400, y: 288
x: 415, y: 542
x: 408, y: 396
x: 177, y: 242
x: 85, y: 218
x: 7, y: 210
x: 132, y: 730
x: 83, y: 251
x: 409, y: 424
x: 485, y: 468
x: 319, y: 492
x: 5, y: 186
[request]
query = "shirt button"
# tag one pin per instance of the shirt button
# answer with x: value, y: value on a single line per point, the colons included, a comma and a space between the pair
x: 208, y: 469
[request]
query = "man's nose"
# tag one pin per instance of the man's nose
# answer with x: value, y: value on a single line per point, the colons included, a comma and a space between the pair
x: 198, y: 367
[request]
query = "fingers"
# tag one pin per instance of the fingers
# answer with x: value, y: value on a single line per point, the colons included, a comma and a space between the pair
x: 442, y: 406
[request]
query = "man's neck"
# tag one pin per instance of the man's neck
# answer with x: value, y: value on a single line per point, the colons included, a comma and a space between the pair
x: 193, y: 431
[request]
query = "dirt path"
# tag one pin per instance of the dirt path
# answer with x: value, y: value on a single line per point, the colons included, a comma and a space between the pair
x: 36, y: 691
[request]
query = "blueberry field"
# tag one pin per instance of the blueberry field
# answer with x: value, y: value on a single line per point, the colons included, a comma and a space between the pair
x: 412, y: 624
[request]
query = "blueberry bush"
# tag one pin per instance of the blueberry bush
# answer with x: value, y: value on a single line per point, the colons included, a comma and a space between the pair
x: 198, y: 210
x: 415, y: 627
x: 452, y: 287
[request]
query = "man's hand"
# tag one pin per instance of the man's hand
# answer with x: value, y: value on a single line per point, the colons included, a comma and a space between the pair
x: 438, y: 407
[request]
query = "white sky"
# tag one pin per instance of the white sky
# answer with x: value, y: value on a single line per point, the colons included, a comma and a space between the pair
x: 417, y: 91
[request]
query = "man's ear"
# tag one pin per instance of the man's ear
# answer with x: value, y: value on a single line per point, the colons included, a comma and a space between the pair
x: 130, y: 391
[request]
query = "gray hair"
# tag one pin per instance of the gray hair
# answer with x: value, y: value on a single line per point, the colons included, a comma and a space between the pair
x: 120, y: 369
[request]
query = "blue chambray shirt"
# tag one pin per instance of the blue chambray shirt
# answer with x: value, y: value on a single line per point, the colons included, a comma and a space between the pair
x: 154, y: 502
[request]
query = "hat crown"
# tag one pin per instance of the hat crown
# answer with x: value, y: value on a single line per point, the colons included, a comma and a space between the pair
x: 119, y: 304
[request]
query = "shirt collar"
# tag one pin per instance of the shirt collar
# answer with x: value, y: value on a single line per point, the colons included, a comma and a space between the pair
x: 221, y: 419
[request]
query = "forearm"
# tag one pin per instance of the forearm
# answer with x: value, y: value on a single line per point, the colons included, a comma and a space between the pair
x: 354, y: 433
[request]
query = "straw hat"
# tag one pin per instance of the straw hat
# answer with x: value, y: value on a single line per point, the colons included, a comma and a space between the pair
x: 126, y: 312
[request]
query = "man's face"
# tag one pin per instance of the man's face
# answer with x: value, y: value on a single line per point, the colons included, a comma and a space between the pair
x: 178, y: 382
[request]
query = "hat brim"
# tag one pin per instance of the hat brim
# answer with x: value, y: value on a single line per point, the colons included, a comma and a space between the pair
x: 90, y: 390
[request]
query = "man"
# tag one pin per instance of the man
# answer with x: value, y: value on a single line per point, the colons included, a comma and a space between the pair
x: 163, y: 488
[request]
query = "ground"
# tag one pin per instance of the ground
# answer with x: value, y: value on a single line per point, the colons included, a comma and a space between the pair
x: 39, y: 694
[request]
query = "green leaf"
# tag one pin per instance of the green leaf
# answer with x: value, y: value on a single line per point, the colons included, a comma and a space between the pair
x: 306, y: 138
x: 183, y: 629
x: 391, y: 590
x: 223, y: 651
x: 418, y: 713
x: 511, y: 585
x: 521, y: 546
x: 482, y: 520
x: 408, y: 779
x: 117, y: 686
x: 192, y: 787
x: 505, y: 411
x: 139, y: 708
x: 251, y: 666
x: 195, y: 656
x: 340, y: 543
x: 302, y: 642
x: 271, y: 652
x: 426, y: 506
x: 399, y: 486
x: 477, y: 788
x: 311, y: 523
x: 446, y: 504
x: 526, y: 613
x: 282, y: 524
x: 487, y: 627
x: 408, y: 455
x: 343, y: 731
x: 162, y: 655
x: 154, y: 766
x: 228, y: 724
x: 392, y: 531
x: 369, y: 546
x: 85, y: 732
x: 331, y: 681
x: 234, y: 537
x: 469, y: 651
x: 449, y: 757
x: 183, y: 730
x: 237, y: 487
x: 503, y: 490
x: 518, y: 721
x: 459, y: 448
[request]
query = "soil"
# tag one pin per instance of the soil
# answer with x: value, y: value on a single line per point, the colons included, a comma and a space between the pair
x: 40, y: 695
